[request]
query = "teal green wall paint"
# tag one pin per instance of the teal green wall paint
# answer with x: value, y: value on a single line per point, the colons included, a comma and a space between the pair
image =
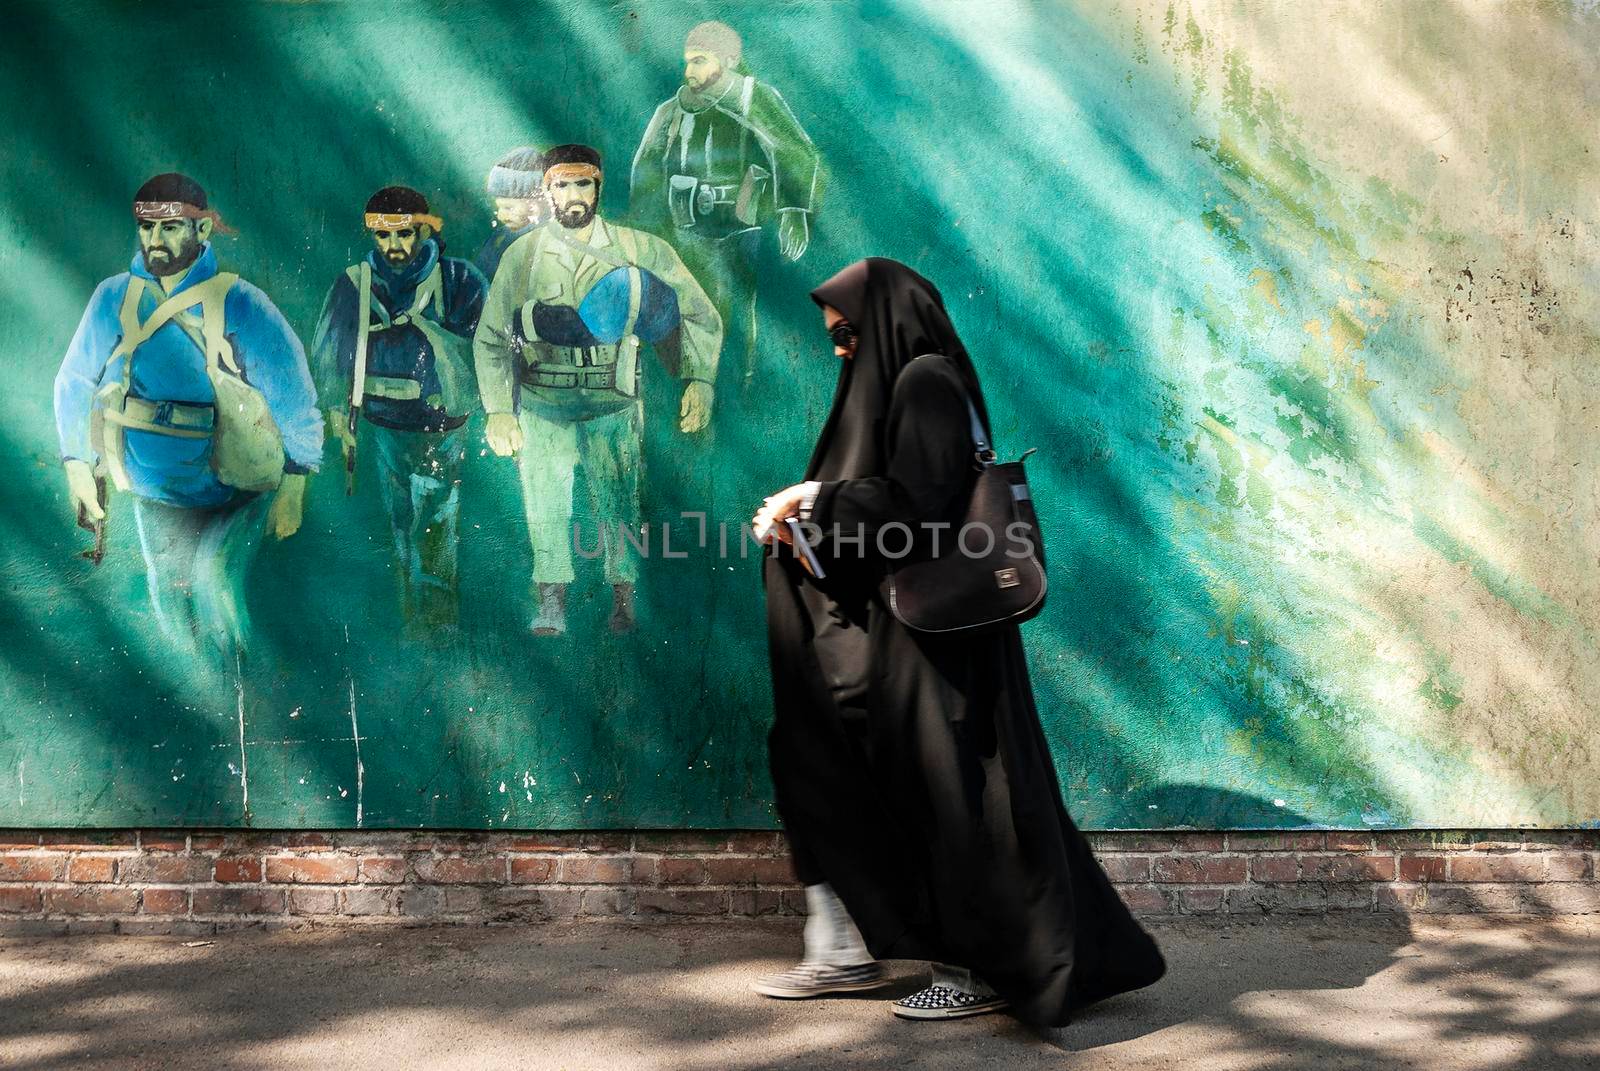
x: 1297, y: 302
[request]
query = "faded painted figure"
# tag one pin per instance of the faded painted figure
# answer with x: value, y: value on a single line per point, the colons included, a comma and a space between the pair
x: 393, y: 352
x: 721, y: 160
x: 516, y: 186
x: 186, y: 388
x: 557, y: 352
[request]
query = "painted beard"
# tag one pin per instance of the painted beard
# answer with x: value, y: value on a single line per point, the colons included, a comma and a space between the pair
x: 577, y: 215
x: 397, y: 258
x: 162, y: 262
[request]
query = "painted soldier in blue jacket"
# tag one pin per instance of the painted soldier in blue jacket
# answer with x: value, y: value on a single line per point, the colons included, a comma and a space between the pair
x: 393, y: 353
x: 137, y: 403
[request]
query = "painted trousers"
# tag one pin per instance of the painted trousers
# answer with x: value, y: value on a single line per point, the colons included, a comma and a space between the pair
x: 608, y: 448
x: 196, y: 561
x: 726, y: 268
x: 419, y: 480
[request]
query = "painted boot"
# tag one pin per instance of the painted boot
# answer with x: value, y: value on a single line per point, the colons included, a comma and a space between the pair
x: 621, y: 619
x: 551, y: 620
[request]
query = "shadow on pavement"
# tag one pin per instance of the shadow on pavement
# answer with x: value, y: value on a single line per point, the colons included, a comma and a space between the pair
x: 1272, y: 995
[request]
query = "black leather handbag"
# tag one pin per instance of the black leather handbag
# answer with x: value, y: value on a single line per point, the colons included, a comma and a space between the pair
x: 978, y: 583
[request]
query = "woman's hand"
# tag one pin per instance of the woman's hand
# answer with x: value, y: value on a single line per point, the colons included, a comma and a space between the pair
x: 776, y: 509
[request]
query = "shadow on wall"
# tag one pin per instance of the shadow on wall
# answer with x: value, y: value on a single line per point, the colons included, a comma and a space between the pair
x: 1214, y: 644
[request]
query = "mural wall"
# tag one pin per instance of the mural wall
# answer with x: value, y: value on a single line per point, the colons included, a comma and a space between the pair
x: 389, y: 383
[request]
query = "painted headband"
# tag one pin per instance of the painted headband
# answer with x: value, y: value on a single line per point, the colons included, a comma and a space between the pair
x: 158, y: 210
x: 571, y: 171
x: 393, y: 221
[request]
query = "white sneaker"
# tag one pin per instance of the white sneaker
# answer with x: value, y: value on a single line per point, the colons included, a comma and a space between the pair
x: 817, y: 979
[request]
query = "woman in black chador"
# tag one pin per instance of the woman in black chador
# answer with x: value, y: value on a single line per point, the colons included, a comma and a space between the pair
x: 912, y: 776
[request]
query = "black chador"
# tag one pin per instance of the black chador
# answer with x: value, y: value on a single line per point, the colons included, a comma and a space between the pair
x: 911, y: 771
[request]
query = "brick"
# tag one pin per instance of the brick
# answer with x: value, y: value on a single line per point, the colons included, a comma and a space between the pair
x: 459, y: 870
x: 422, y: 901
x: 792, y: 902
x: 463, y: 900
x: 1132, y: 842
x: 79, y: 926
x: 20, y: 899
x: 214, y: 842
x: 232, y: 870
x: 92, y: 868
x: 1275, y: 868
x: 313, y: 901
x: 1496, y: 841
x: 1144, y: 899
x: 1422, y: 868
x: 1347, y: 841
x: 239, y: 900
x: 33, y: 927
x: 165, y: 902
x: 32, y: 867
x: 545, y: 842
x: 1188, y: 841
x: 1250, y: 841
x: 16, y: 840
x: 1201, y: 899
x: 369, y: 901
x: 92, y: 900
x: 605, y: 903
x: 316, y: 870
x: 596, y: 869
x: 666, y: 901
x: 1347, y: 867
x: 744, y: 870
x: 1198, y: 870
x: 1562, y: 898
x: 300, y: 839
x: 164, y: 926
x: 680, y: 870
x: 165, y: 869
x: 1568, y: 866
x: 681, y: 842
x: 87, y: 839
x: 750, y: 842
x: 1441, y: 899
x: 756, y: 903
x: 467, y: 842
x: 1497, y: 867
x: 1301, y: 897
x: 512, y: 903
x: 534, y: 869
x: 155, y: 841
x: 1126, y: 867
x: 384, y: 869
x: 610, y: 841
x: 1546, y: 840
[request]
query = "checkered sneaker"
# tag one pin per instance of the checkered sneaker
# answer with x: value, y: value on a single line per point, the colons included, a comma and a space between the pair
x: 819, y: 979
x: 942, y: 1002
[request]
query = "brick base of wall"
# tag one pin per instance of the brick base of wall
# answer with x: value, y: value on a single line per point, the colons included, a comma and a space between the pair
x: 166, y: 881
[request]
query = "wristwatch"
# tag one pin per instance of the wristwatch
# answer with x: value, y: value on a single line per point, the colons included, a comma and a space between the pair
x: 808, y: 498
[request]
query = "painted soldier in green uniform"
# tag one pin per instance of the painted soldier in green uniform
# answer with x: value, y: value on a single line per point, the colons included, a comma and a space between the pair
x: 720, y: 162
x: 557, y: 360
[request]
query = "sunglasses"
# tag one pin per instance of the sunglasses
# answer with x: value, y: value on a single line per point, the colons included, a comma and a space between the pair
x: 843, y: 334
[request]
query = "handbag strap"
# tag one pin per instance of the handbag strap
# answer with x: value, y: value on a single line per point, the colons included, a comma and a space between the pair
x: 982, y: 450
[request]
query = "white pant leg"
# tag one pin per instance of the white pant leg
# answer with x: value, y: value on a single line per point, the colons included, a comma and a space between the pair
x: 830, y: 937
x: 961, y: 980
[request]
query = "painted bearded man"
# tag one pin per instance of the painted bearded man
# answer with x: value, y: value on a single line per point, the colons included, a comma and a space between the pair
x: 557, y: 359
